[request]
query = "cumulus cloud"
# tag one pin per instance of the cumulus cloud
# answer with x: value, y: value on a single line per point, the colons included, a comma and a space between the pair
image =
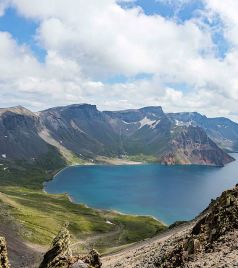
x: 88, y: 42
x: 227, y: 12
x: 3, y: 5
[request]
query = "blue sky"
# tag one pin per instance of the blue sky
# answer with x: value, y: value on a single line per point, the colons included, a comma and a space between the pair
x: 182, y: 11
x: 120, y: 54
x: 23, y: 30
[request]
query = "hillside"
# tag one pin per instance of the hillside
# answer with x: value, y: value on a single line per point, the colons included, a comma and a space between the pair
x: 221, y: 130
x: 30, y: 218
x: 208, y: 241
x: 81, y: 132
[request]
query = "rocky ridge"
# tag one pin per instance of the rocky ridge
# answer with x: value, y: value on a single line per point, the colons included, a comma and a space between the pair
x: 83, y: 132
x: 209, y: 241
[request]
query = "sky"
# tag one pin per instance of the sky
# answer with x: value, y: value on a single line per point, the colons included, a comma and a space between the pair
x: 119, y: 54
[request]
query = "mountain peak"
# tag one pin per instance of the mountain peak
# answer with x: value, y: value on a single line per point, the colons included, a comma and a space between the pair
x: 153, y: 110
x: 81, y: 106
x: 17, y: 110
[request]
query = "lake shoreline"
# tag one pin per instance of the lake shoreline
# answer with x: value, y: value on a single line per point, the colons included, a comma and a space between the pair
x: 71, y: 199
x: 119, y: 163
x: 155, y: 216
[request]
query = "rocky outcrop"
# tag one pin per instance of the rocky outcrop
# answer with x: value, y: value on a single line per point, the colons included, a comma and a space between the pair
x: 4, y: 262
x: 60, y: 255
x: 93, y: 259
x: 210, y: 234
x: 208, y: 241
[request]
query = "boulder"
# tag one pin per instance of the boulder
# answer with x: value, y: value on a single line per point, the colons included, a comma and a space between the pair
x: 93, y: 259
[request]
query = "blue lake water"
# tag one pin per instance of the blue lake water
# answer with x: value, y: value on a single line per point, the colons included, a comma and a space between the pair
x: 168, y: 193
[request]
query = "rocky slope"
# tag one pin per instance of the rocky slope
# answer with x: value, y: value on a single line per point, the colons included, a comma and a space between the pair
x: 19, y: 137
x: 82, y: 131
x: 221, y: 130
x: 208, y: 241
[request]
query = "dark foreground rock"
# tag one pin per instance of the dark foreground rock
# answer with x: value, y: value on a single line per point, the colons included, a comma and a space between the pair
x: 60, y: 255
x: 218, y: 227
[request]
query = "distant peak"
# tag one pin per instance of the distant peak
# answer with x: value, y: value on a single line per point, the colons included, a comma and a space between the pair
x: 17, y: 110
x: 82, y: 105
x: 152, y: 109
x: 72, y: 106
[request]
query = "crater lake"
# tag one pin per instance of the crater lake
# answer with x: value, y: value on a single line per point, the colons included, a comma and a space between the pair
x: 169, y: 193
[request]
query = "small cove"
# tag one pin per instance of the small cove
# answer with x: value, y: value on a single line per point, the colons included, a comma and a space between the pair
x: 168, y: 193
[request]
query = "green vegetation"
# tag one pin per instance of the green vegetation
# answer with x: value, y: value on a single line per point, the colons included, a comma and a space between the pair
x: 39, y: 216
x: 143, y: 158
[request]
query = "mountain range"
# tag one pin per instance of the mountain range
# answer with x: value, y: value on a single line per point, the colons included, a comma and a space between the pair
x: 81, y: 131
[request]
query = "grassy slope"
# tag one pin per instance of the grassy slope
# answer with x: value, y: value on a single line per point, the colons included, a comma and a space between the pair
x: 41, y: 215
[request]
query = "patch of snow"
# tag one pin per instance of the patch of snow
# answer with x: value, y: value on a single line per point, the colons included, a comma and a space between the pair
x: 182, y: 123
x: 146, y: 122
x: 5, y: 168
x: 108, y: 222
x: 5, y: 136
x: 155, y: 124
x: 128, y: 123
x: 4, y: 156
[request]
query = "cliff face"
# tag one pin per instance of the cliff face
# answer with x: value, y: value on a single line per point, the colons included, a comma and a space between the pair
x: 85, y: 132
x: 19, y: 135
x: 191, y: 145
x: 221, y: 130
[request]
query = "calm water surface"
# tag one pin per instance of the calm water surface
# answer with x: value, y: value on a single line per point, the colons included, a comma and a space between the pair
x: 169, y: 193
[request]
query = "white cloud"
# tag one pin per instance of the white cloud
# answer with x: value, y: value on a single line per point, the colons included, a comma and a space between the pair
x: 227, y: 11
x: 3, y: 5
x: 106, y: 39
x: 88, y: 41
